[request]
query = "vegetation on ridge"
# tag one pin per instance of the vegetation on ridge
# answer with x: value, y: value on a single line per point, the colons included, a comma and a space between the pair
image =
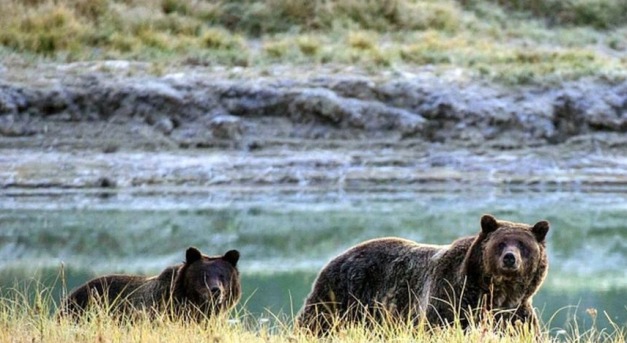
x: 508, y: 41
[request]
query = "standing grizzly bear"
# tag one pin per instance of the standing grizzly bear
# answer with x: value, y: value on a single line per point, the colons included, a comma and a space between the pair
x: 198, y: 288
x: 498, y: 270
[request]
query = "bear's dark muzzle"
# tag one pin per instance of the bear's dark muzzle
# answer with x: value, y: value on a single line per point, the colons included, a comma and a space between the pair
x: 509, y: 260
x: 215, y: 291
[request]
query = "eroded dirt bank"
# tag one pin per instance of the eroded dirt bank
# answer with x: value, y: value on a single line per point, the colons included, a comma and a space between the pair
x: 90, y: 125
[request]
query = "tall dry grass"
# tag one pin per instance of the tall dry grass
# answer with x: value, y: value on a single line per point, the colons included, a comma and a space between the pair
x: 29, y: 313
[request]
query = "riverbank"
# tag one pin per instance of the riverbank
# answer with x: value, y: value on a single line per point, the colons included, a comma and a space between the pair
x: 86, y: 125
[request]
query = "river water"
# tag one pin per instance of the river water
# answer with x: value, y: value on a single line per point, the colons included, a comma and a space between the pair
x: 286, y: 235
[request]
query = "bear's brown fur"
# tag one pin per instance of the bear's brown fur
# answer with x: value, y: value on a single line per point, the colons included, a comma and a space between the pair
x: 199, y: 288
x: 498, y: 270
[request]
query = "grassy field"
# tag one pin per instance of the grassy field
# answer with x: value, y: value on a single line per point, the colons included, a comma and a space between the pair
x: 29, y: 315
x: 504, y: 40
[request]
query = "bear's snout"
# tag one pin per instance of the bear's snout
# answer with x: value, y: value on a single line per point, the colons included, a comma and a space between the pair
x: 509, y: 260
x: 214, y: 293
x: 211, y: 290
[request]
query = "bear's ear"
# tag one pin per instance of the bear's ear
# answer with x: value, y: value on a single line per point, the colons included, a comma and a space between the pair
x: 488, y: 223
x: 192, y: 255
x: 540, y: 230
x: 231, y: 256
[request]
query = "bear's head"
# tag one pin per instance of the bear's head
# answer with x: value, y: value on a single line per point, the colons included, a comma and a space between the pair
x: 209, y: 283
x: 508, y: 255
x: 512, y: 250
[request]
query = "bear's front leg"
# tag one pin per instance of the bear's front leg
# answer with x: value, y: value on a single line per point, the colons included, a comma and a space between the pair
x: 527, y: 315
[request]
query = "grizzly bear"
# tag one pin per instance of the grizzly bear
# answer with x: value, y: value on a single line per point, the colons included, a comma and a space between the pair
x: 497, y: 271
x: 200, y: 287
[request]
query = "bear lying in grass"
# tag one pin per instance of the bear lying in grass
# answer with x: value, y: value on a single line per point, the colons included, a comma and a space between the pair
x: 200, y: 287
x: 497, y: 271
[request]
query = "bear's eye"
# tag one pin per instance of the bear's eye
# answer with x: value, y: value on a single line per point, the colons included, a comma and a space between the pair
x: 523, y: 248
x: 501, y: 246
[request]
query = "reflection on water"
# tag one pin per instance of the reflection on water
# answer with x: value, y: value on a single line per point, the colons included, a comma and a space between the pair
x: 285, y: 238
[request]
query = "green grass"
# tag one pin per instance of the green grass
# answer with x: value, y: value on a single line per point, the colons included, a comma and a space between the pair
x: 28, y: 313
x: 602, y: 14
x: 508, y: 41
